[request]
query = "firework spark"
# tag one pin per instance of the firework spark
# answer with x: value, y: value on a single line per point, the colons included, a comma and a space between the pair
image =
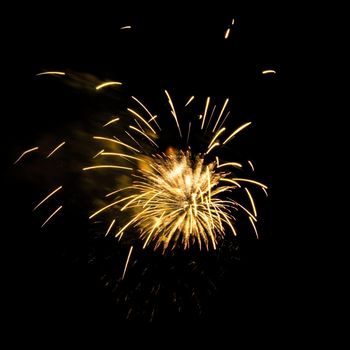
x: 108, y: 83
x: 269, y: 71
x: 55, y: 149
x: 177, y: 197
x: 51, y: 73
x: 24, y: 153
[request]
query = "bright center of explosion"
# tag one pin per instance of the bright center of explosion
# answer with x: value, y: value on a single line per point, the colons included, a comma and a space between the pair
x: 175, y: 201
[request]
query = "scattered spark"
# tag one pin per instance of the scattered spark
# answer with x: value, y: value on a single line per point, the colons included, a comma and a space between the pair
x: 110, y: 227
x: 227, y: 33
x: 123, y: 155
x: 269, y: 71
x: 98, y: 153
x: 125, y: 27
x: 251, y: 201
x: 222, y: 111
x: 216, y: 136
x: 251, y: 165
x: 173, y: 112
x: 50, y: 217
x: 109, y: 83
x: 127, y: 261
x: 107, y: 166
x: 233, y: 22
x: 111, y: 121
x: 142, y: 133
x: 189, y: 101
x: 153, y: 117
x: 265, y: 191
x: 248, y: 180
x: 234, y: 164
x: 142, y: 119
x: 51, y: 73
x: 57, y: 148
x: 24, y: 153
x: 47, y: 197
x: 205, y: 112
x: 236, y: 132
x: 116, y: 141
x: 254, y: 227
x: 188, y: 133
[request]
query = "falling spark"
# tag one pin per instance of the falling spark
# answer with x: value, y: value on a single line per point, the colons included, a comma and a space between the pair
x: 98, y: 153
x: 111, y: 121
x: 125, y: 27
x: 50, y: 217
x: 116, y: 141
x: 142, y: 119
x: 222, y: 111
x: 234, y: 164
x: 127, y: 261
x: 153, y: 117
x: 236, y: 132
x: 110, y: 227
x: 205, y: 112
x: 251, y: 165
x: 227, y: 33
x: 57, y: 148
x: 189, y: 101
x: 248, y: 180
x: 233, y: 22
x: 47, y: 197
x: 51, y: 73
x: 269, y: 71
x: 265, y: 191
x: 107, y: 166
x: 251, y: 201
x: 109, y: 83
x: 254, y: 227
x: 24, y: 153
x: 188, y: 133
x: 173, y: 112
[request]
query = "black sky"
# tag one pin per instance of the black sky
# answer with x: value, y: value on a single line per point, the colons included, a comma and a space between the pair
x: 168, y: 48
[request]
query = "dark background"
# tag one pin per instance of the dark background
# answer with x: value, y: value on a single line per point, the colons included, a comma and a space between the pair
x: 184, y: 51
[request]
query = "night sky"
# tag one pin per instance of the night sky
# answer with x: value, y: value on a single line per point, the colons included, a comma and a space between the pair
x: 60, y: 272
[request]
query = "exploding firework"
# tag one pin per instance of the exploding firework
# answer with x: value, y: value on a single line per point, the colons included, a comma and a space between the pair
x: 173, y: 197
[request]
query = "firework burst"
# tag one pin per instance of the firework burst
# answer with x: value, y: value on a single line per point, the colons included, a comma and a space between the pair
x: 173, y: 197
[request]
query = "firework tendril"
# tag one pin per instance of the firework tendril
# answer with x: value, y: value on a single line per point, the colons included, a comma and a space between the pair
x: 174, y: 198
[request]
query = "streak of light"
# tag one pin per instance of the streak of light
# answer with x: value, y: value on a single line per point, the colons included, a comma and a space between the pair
x: 189, y: 101
x: 25, y: 152
x: 251, y: 201
x: 116, y: 141
x: 127, y: 261
x: 51, y: 73
x: 251, y: 164
x: 108, y: 83
x: 110, y: 227
x: 107, y: 166
x: 111, y: 121
x: 222, y: 111
x: 143, y: 120
x: 237, y: 131
x: 56, y: 149
x: 269, y: 71
x: 50, y: 217
x: 47, y: 197
x: 173, y: 112
x: 254, y: 227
